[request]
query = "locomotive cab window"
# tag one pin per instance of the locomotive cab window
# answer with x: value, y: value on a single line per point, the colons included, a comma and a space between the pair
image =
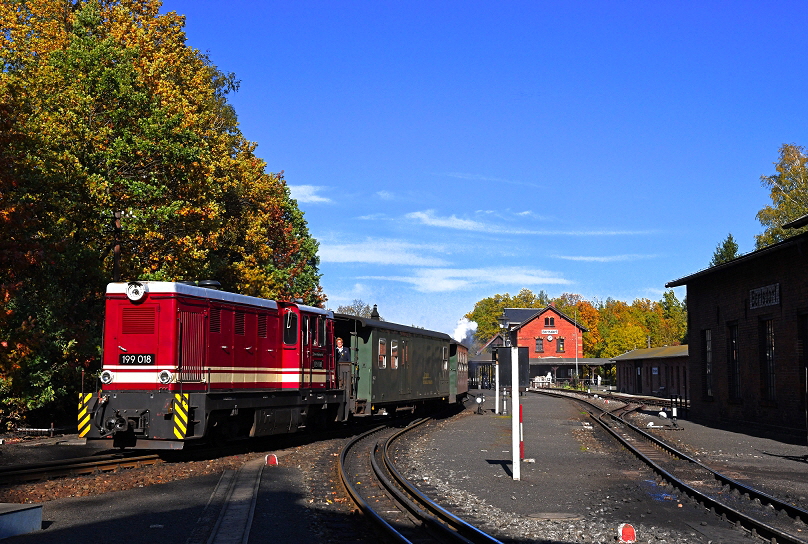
x: 393, y: 353
x: 290, y: 329
x: 304, y: 330
x: 382, y: 353
x: 321, y: 331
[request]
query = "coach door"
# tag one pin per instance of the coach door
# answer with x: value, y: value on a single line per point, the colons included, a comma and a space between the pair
x: 404, y: 369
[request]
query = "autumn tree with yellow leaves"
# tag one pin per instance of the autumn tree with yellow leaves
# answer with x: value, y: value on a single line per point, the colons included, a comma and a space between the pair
x: 115, y: 135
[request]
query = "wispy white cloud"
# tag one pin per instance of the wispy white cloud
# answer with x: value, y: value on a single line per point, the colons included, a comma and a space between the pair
x: 383, y: 251
x: 385, y: 195
x: 489, y: 179
x: 308, y: 193
x: 604, y: 259
x: 433, y: 280
x: 428, y: 217
x: 372, y: 216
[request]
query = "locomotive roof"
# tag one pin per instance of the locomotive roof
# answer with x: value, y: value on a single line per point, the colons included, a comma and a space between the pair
x: 170, y: 287
x: 374, y: 324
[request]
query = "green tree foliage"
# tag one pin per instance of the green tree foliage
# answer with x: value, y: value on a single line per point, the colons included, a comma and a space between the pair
x: 487, y: 310
x: 725, y: 251
x: 104, y: 109
x: 788, y: 190
x: 358, y: 308
x: 614, y: 326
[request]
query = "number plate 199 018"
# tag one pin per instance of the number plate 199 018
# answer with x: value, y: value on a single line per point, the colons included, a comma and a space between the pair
x: 136, y: 359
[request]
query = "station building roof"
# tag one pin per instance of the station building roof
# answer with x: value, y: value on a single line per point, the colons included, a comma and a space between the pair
x: 757, y: 254
x: 664, y: 352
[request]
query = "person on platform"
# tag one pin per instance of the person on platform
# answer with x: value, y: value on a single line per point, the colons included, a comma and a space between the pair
x: 343, y: 355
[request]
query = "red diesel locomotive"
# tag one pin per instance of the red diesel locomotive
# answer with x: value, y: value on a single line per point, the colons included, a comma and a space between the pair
x: 182, y: 362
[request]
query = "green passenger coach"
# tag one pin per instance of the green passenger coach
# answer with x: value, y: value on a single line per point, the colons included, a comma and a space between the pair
x: 393, y: 367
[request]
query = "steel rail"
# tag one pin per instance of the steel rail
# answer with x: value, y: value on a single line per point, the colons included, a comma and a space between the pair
x: 355, y: 495
x: 72, y: 467
x: 754, y: 526
x: 438, y: 522
x: 460, y: 527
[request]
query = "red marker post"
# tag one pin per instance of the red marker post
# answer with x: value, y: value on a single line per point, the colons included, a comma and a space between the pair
x: 626, y: 533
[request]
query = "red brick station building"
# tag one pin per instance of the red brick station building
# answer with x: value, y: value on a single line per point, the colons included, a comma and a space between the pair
x: 554, y: 345
x: 748, y: 328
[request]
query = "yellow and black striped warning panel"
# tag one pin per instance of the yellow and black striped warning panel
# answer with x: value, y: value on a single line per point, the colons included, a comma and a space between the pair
x: 84, y: 413
x: 180, y: 415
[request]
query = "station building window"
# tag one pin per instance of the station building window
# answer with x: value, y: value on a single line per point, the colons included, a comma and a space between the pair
x: 767, y: 359
x: 549, y: 321
x: 559, y: 345
x: 733, y: 362
x: 539, y: 345
x: 707, y: 361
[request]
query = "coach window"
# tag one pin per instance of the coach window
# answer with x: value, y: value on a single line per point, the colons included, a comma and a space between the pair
x: 290, y: 329
x: 445, y: 358
x: 382, y: 353
x: 406, y: 353
x: 393, y: 353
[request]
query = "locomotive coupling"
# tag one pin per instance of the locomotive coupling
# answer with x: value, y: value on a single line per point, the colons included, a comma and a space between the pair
x: 115, y: 423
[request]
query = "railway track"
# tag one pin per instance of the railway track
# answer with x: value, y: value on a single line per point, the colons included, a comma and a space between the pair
x: 394, y: 504
x: 758, y: 513
x: 73, y: 467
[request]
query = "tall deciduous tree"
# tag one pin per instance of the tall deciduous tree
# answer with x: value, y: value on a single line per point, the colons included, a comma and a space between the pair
x: 105, y: 112
x: 725, y: 251
x: 788, y: 190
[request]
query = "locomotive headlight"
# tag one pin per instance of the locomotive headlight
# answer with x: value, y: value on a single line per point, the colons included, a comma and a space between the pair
x: 107, y: 377
x: 136, y: 291
x: 165, y: 377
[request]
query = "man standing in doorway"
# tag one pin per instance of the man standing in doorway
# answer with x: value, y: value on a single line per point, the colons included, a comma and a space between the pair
x: 342, y: 354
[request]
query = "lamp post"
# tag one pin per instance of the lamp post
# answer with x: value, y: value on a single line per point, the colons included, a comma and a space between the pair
x: 516, y: 412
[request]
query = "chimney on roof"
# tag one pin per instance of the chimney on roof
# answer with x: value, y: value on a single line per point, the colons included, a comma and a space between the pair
x: 375, y: 313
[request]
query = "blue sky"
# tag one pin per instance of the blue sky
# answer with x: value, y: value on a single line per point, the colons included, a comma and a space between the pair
x: 447, y: 151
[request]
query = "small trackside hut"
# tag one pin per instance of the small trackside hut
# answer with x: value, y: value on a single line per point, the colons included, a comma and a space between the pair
x: 183, y: 362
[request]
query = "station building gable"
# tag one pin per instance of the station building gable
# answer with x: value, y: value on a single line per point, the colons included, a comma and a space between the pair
x: 547, y: 332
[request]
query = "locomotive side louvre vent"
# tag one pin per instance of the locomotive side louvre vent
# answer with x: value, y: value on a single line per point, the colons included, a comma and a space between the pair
x: 240, y: 323
x: 262, y: 326
x: 215, y: 320
x: 140, y: 320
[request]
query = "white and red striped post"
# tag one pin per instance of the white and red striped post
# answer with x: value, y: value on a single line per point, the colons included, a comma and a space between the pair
x: 516, y: 416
